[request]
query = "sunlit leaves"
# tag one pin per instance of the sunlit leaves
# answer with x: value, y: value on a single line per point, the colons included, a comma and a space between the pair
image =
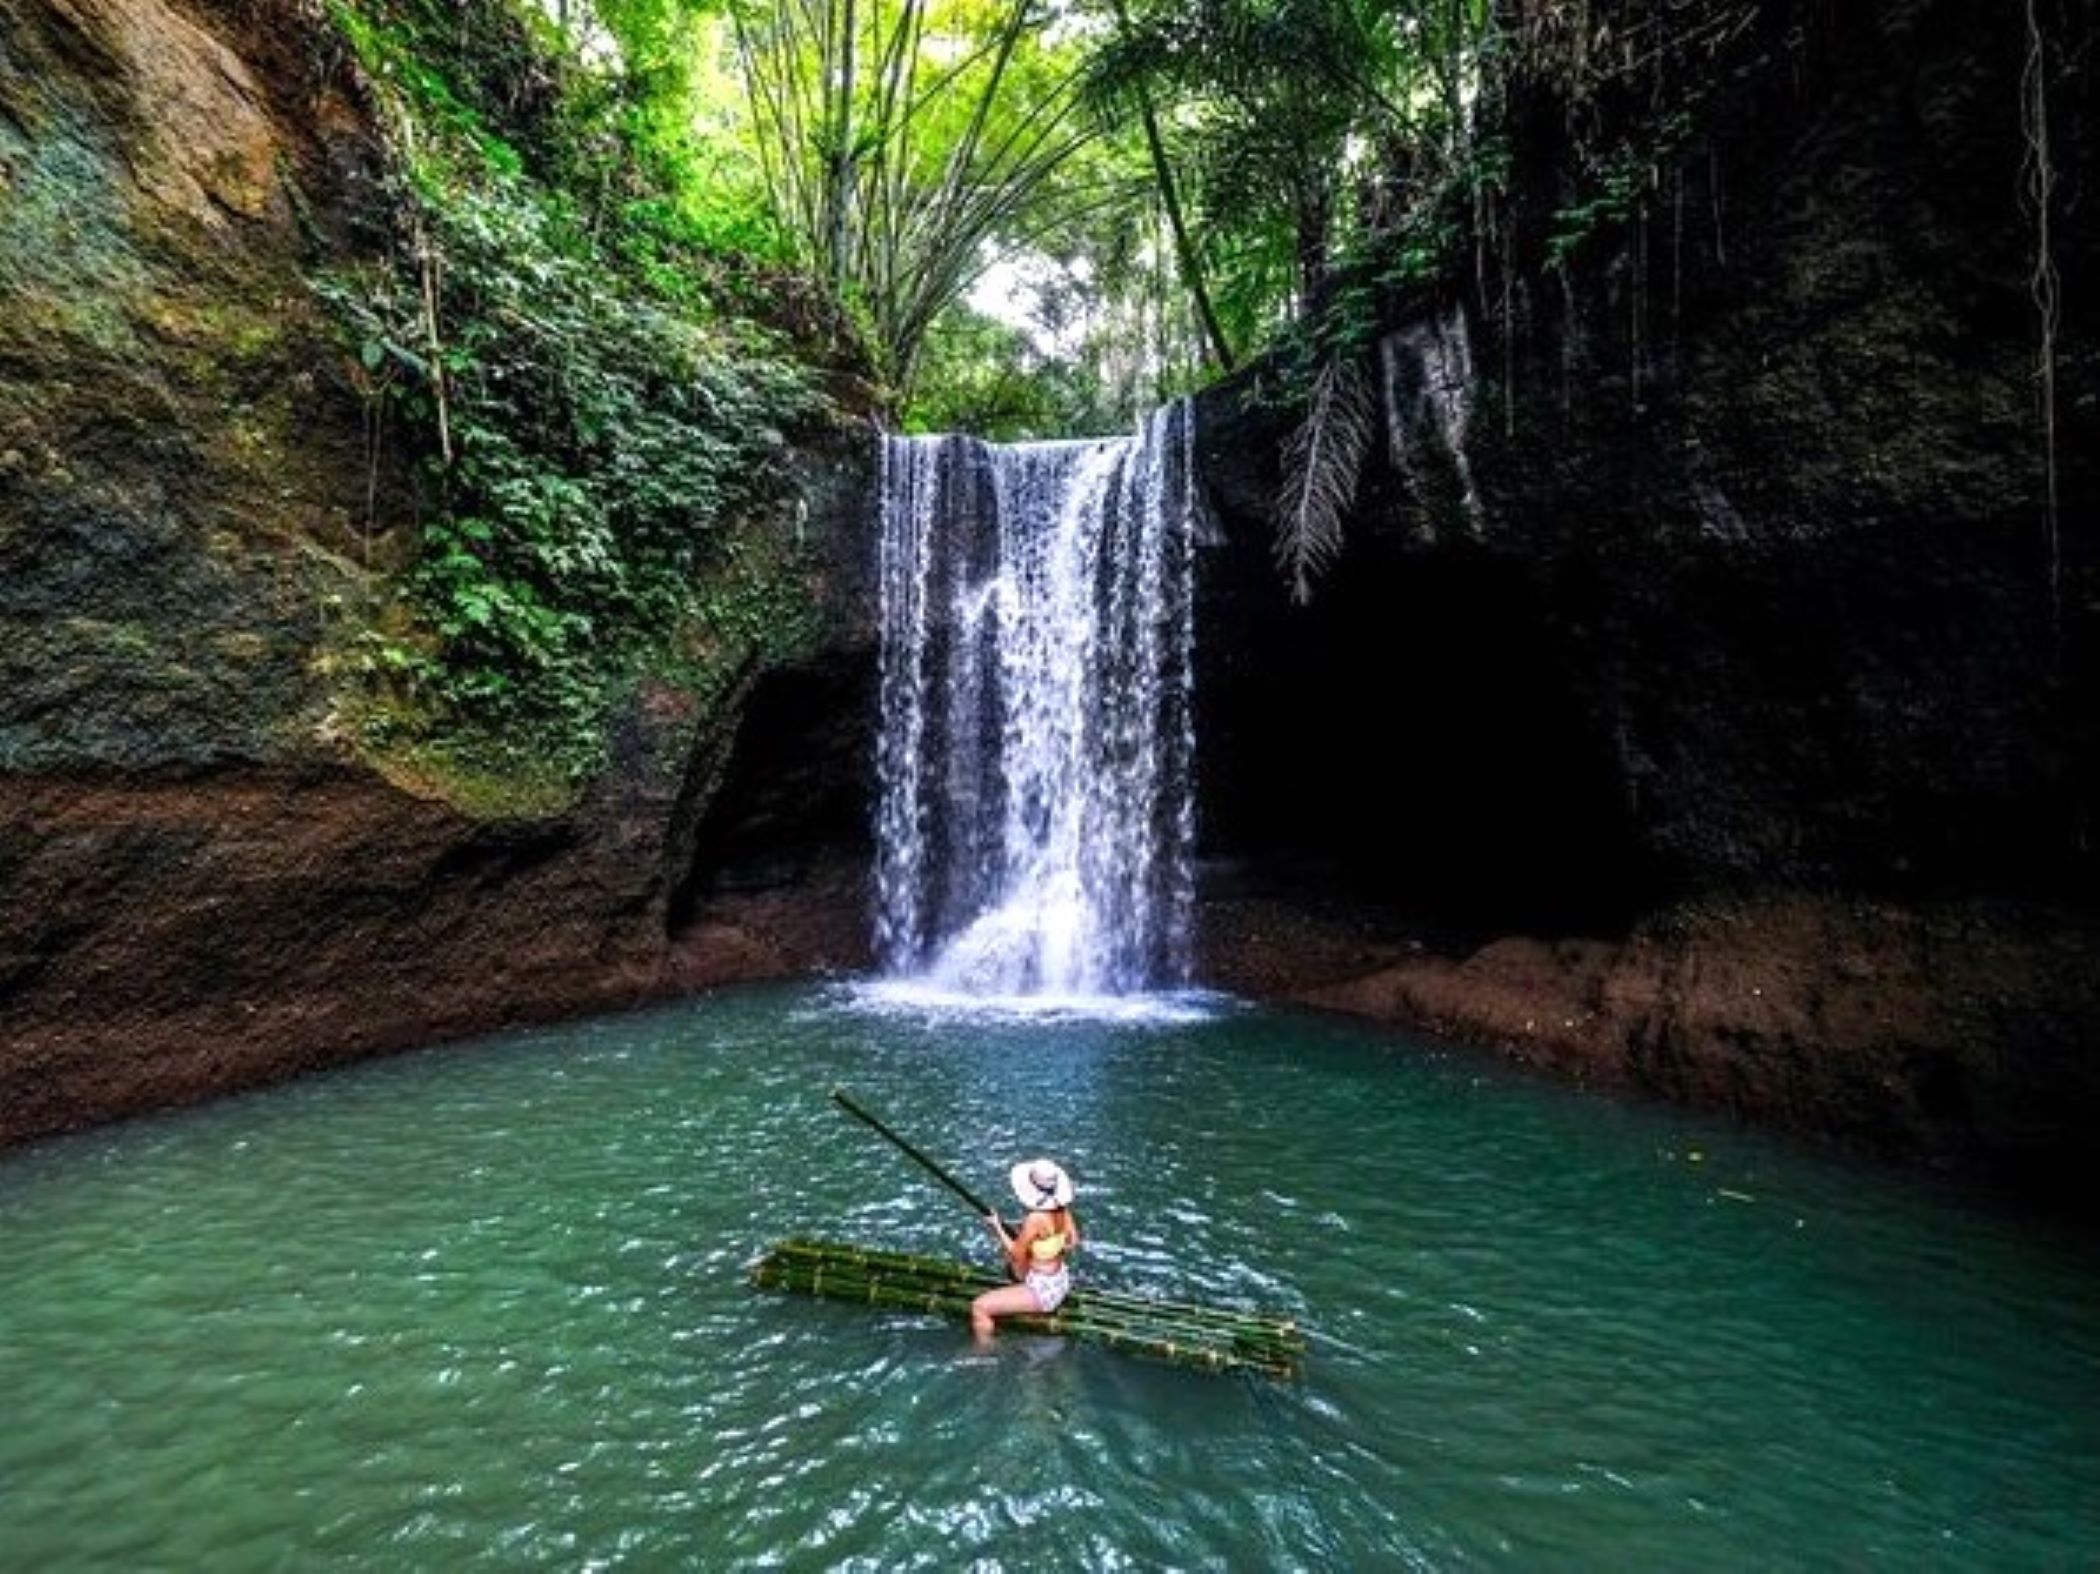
x: 902, y: 139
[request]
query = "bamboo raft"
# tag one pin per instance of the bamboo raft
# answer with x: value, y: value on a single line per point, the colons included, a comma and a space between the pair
x: 1140, y: 1325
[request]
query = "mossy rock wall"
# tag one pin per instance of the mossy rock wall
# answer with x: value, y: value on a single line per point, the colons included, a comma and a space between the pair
x: 205, y: 881
x: 181, y: 474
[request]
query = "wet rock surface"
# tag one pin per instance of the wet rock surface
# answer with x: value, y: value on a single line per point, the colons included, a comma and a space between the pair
x: 1702, y: 703
x: 1954, y: 1035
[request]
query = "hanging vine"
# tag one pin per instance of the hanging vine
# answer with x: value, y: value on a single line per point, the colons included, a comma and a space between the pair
x: 2038, y: 183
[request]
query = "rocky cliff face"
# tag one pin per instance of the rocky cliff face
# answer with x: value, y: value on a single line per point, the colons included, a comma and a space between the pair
x: 1704, y: 688
x: 179, y: 486
x: 201, y: 887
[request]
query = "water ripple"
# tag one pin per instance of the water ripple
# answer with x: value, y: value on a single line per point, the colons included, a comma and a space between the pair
x: 491, y: 1305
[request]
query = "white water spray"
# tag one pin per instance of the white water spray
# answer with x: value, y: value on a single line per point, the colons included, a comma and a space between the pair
x: 1036, y: 818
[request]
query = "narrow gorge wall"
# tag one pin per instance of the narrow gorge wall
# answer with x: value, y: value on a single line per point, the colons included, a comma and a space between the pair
x: 1703, y: 702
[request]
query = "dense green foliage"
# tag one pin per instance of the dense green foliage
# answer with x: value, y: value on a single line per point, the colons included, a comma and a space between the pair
x: 1166, y: 188
x: 597, y: 424
x: 1019, y: 217
x: 1205, y: 172
x: 981, y: 375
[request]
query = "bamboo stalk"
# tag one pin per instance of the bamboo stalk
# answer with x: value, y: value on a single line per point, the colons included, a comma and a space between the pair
x: 1267, y: 1345
x: 940, y: 1272
x: 972, y: 1280
x: 1171, y: 1344
x: 1276, y: 1340
x: 1193, y: 1335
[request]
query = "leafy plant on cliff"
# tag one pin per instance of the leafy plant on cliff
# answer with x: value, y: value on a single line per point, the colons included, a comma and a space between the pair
x: 596, y: 435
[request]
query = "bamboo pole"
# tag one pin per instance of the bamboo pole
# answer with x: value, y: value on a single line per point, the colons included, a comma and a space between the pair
x: 977, y: 1204
x: 1173, y: 1343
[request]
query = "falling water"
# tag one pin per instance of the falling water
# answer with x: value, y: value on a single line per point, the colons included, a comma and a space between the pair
x: 1036, y: 816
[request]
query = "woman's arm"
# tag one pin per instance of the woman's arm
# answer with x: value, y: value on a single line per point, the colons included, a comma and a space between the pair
x: 1017, y: 1245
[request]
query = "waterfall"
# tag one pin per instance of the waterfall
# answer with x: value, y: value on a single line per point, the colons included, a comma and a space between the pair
x: 1036, y: 815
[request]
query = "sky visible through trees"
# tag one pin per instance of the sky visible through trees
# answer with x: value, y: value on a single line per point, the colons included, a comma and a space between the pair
x: 1041, y: 216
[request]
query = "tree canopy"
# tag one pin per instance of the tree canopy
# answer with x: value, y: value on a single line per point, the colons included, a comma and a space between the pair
x: 1116, y: 197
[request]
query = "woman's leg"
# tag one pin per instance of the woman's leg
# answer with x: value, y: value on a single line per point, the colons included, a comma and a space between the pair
x: 1002, y: 1302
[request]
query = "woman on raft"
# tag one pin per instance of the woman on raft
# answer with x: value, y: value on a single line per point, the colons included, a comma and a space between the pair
x: 1036, y: 1255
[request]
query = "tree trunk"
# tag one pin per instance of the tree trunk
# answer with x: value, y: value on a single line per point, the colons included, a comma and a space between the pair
x: 1185, y: 253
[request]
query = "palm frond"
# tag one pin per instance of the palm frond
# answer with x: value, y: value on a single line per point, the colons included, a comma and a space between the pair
x: 1322, y: 460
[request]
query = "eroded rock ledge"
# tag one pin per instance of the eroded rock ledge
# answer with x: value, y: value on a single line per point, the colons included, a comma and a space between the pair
x: 1956, y: 1036
x: 170, y: 940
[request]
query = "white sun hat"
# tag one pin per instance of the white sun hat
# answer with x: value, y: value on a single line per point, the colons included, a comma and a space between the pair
x: 1039, y: 1183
